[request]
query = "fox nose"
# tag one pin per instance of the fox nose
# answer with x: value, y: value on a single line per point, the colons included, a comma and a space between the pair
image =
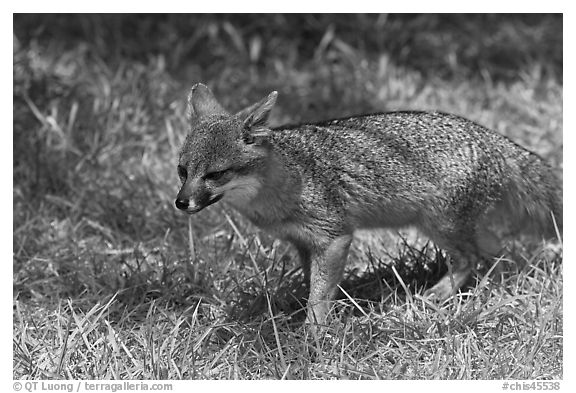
x: 181, y: 204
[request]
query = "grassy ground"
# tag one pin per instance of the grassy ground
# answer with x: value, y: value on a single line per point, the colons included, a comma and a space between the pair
x: 104, y: 283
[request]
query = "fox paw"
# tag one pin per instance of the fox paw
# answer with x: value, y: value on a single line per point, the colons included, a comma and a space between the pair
x: 441, y: 291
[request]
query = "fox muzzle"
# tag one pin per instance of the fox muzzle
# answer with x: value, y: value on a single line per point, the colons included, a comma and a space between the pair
x: 193, y: 205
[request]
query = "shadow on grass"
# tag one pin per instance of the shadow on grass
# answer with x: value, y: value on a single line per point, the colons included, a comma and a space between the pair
x: 377, y: 288
x: 377, y: 284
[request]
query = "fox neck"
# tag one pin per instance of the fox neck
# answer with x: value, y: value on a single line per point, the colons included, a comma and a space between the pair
x: 275, y: 199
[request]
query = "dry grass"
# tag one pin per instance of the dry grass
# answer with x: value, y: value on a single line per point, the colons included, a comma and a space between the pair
x: 103, y: 279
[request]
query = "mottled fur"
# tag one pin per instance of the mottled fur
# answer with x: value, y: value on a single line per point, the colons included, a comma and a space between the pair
x: 314, y: 184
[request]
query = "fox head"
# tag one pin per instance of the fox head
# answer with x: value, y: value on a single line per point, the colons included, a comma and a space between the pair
x: 224, y: 155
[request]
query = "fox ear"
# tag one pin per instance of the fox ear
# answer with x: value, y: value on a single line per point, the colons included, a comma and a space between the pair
x: 257, y: 114
x: 255, y: 136
x: 202, y: 103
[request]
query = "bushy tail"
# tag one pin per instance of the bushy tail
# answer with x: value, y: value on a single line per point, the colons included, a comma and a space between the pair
x: 534, y: 195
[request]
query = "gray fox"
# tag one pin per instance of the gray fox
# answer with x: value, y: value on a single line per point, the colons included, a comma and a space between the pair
x: 314, y: 184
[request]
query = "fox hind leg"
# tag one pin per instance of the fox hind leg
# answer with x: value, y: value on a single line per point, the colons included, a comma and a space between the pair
x: 465, y: 251
x: 456, y: 277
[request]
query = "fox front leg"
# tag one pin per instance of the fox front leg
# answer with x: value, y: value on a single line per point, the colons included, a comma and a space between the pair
x: 326, y: 272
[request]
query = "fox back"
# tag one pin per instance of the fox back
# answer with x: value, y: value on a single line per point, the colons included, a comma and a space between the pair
x: 398, y: 168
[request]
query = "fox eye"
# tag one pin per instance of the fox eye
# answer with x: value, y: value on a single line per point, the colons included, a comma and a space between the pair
x: 217, y: 175
x: 182, y: 172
